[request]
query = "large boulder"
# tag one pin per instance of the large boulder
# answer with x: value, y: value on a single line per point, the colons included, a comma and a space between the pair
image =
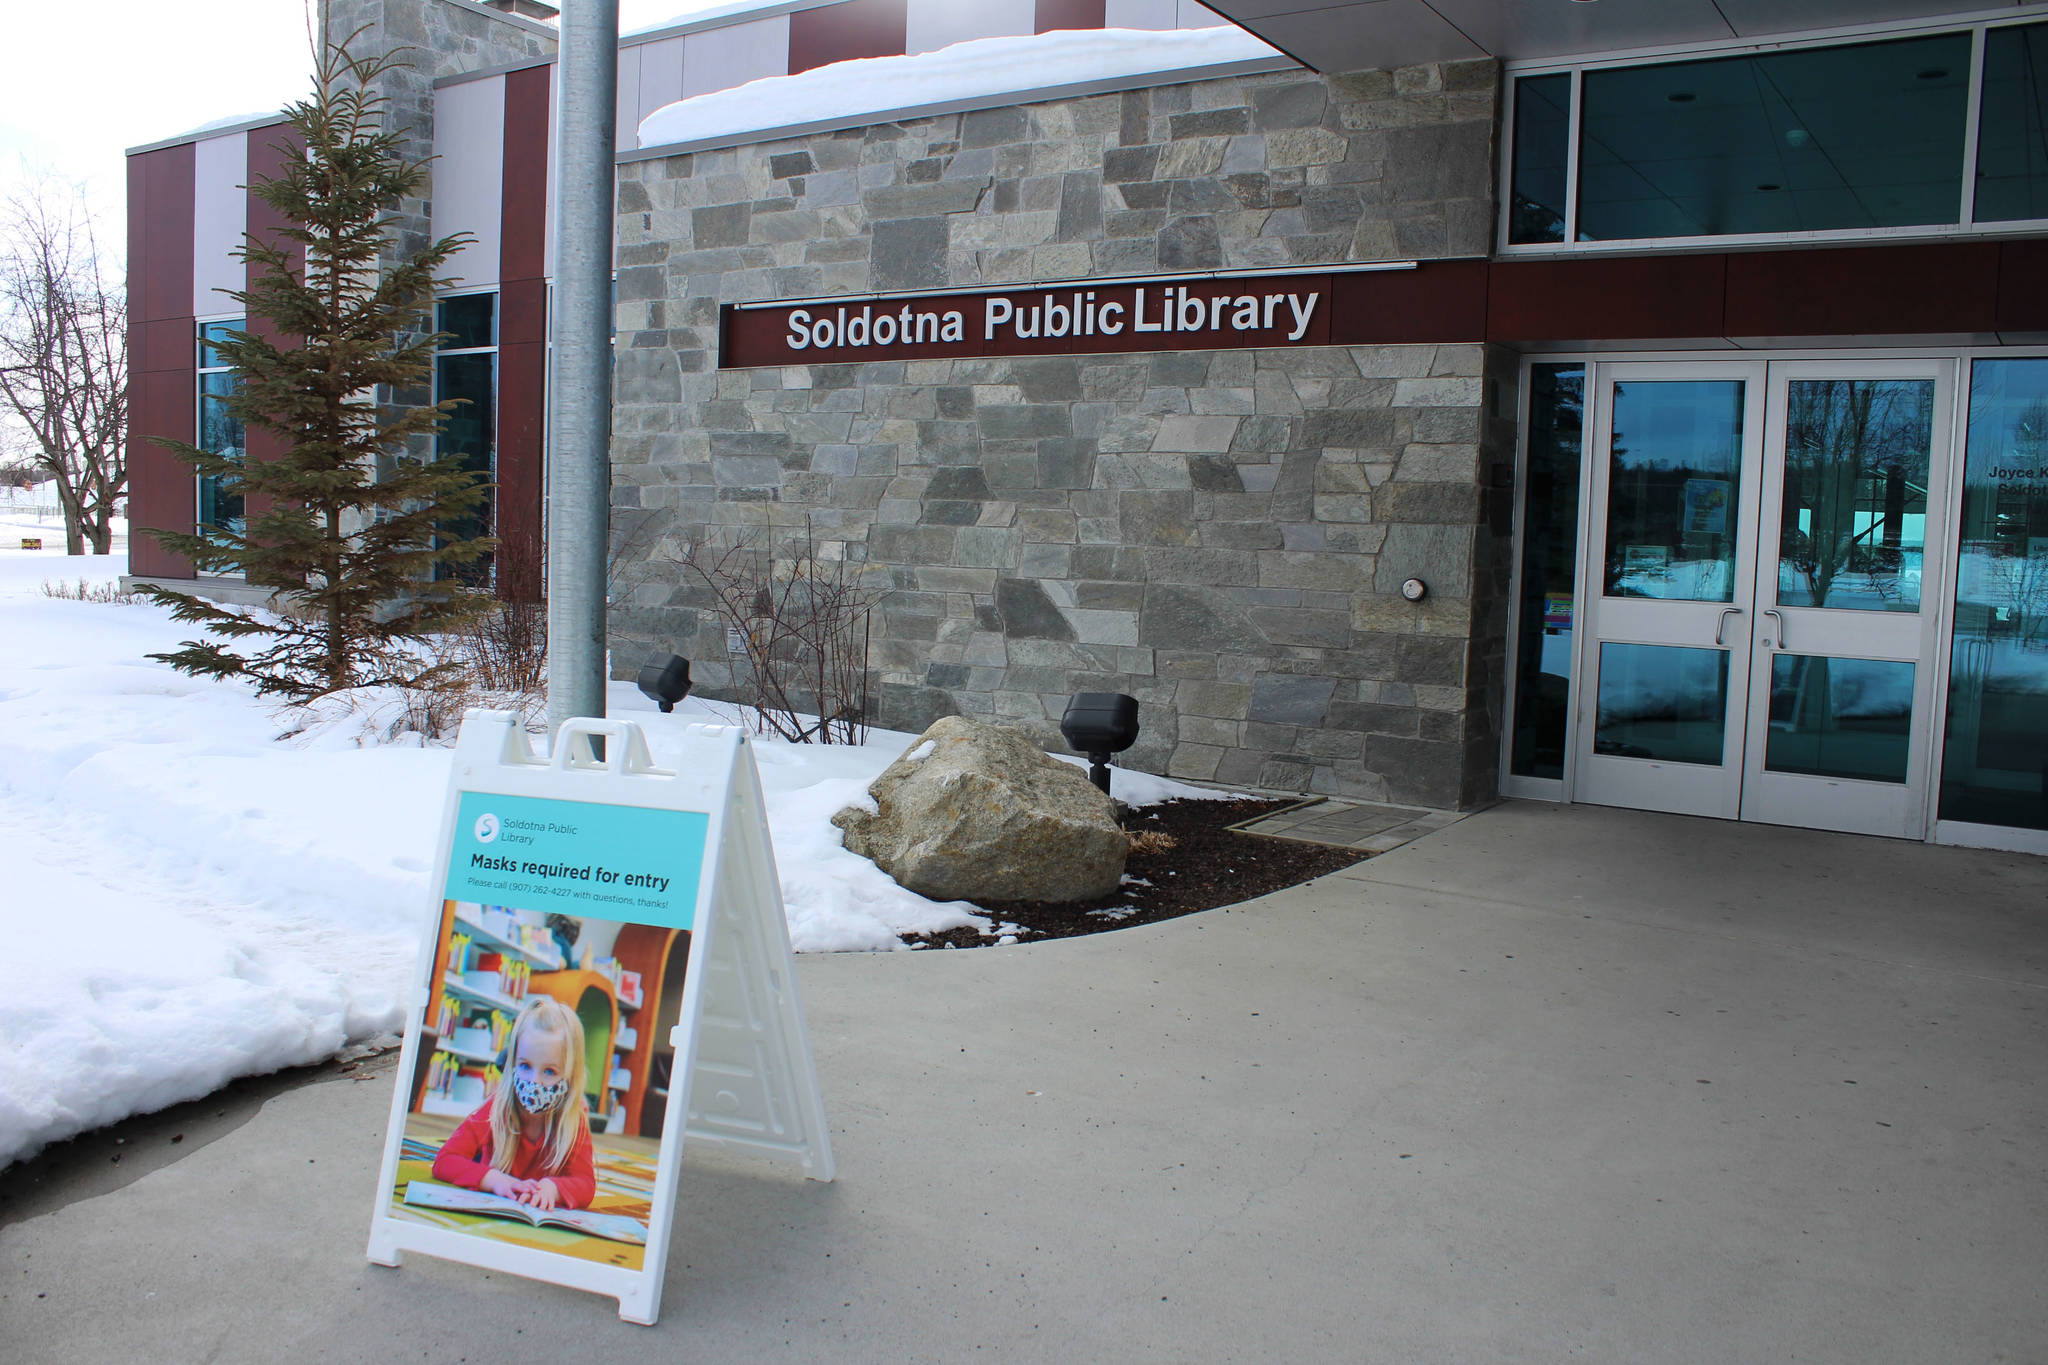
x: 979, y: 812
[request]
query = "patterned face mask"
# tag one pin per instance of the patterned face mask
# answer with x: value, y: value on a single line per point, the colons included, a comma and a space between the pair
x: 536, y: 1098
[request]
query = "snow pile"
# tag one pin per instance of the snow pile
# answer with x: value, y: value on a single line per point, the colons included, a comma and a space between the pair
x: 848, y: 91
x: 195, y: 894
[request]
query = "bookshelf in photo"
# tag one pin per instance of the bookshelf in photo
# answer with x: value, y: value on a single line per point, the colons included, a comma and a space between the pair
x: 491, y: 959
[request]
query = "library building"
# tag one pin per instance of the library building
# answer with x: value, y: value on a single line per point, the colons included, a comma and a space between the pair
x: 1421, y: 401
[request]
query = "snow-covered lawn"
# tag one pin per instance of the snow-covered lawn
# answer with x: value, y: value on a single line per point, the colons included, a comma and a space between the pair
x: 189, y: 898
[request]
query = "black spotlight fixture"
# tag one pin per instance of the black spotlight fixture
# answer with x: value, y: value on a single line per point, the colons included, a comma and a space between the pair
x: 1099, y: 724
x: 665, y: 684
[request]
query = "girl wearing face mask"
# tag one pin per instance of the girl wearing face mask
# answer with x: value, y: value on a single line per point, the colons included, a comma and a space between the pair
x: 530, y: 1140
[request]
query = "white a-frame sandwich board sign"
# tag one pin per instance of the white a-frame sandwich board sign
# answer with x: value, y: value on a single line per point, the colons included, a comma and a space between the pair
x: 606, y: 972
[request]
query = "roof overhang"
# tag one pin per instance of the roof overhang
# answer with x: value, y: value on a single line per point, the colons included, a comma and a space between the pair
x: 1352, y: 35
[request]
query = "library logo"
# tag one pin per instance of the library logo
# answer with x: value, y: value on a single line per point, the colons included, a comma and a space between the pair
x: 486, y: 828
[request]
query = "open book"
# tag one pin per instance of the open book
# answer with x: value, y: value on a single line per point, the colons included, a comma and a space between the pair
x: 615, y: 1227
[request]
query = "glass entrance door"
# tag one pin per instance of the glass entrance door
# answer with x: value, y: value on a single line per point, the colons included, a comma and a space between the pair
x: 1843, y: 649
x: 1671, y: 574
x: 1760, y: 605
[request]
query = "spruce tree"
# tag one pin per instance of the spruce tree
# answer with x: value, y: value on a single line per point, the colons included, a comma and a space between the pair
x: 364, y: 541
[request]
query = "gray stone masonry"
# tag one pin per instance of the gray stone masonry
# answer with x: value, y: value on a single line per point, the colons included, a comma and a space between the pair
x: 1222, y: 534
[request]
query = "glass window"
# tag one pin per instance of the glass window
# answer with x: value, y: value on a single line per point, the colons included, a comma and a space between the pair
x: 1542, y: 149
x: 2012, y: 129
x: 1840, y: 717
x: 1550, y: 556
x: 1855, y: 507
x: 1662, y: 702
x: 220, y: 431
x: 1866, y: 135
x: 1994, y: 767
x: 470, y: 320
x: 1674, y: 485
x: 466, y: 369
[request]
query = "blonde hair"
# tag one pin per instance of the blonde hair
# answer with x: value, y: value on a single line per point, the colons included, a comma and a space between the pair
x: 567, y: 1121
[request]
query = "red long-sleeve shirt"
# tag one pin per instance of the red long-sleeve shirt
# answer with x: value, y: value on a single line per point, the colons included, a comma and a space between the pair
x: 466, y: 1158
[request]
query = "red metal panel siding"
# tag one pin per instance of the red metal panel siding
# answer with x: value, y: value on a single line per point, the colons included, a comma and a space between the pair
x: 1059, y: 14
x: 522, y: 333
x: 162, y: 361
x: 267, y: 154
x: 838, y: 33
x: 2023, y: 286
x: 1864, y: 291
x: 1436, y: 301
x: 1606, y: 299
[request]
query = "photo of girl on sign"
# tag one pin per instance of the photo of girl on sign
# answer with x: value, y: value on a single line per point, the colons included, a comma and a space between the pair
x: 540, y: 1086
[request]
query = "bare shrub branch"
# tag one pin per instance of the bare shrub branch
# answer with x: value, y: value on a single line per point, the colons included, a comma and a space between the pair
x: 801, y: 618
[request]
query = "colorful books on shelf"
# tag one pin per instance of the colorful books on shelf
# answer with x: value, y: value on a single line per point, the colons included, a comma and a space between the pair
x: 615, y: 1227
x: 621, y: 1079
x: 626, y: 1039
x: 629, y: 990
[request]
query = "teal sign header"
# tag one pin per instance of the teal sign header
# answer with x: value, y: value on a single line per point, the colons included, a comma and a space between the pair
x: 629, y: 863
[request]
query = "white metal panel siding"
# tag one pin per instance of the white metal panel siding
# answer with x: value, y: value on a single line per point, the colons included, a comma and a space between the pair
x: 220, y: 216
x: 469, y: 175
x: 628, y: 112
x: 935, y: 24
x: 1141, y: 14
x: 721, y: 58
x: 661, y: 76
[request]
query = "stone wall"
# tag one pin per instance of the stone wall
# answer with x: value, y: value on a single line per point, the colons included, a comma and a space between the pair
x: 1221, y: 534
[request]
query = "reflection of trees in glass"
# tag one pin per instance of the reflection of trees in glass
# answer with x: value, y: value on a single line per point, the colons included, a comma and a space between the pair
x: 1671, y: 496
x: 1856, y: 450
x: 2012, y: 543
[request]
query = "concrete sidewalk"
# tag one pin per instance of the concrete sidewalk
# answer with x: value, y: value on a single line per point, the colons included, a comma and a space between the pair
x: 1551, y: 1083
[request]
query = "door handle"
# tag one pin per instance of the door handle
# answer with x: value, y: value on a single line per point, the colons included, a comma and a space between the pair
x: 1721, y: 626
x: 1779, y: 617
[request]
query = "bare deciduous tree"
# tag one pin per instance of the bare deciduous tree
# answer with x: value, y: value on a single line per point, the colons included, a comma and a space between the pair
x: 64, y: 357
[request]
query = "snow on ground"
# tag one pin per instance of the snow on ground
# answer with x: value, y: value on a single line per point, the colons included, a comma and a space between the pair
x: 190, y: 898
x: 969, y: 70
x: 35, y: 514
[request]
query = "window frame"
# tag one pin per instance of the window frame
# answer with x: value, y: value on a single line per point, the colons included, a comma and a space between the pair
x: 1977, y: 26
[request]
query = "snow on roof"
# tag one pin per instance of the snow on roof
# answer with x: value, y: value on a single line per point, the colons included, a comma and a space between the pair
x: 846, y: 90
x: 631, y: 20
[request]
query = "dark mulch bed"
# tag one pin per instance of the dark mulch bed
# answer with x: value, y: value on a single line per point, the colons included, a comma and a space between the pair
x: 1206, y: 866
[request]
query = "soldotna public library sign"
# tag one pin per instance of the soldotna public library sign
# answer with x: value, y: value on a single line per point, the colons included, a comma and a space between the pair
x: 1195, y: 313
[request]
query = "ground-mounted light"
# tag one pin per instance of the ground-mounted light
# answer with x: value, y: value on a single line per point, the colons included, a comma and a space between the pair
x: 1099, y: 724
x: 665, y: 684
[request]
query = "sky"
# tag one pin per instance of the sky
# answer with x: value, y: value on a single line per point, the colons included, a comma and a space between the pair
x: 137, y: 71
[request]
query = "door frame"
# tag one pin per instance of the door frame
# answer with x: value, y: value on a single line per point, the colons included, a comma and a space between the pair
x: 1684, y: 623
x: 1940, y: 621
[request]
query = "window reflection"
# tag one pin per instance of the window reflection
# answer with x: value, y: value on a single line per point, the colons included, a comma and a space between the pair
x: 1542, y: 151
x: 1674, y: 490
x: 2012, y: 139
x: 1863, y: 135
x: 1550, y: 541
x: 1995, y: 759
x: 1662, y: 702
x: 220, y: 431
x: 1840, y: 717
x: 1854, y: 521
x: 466, y: 369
